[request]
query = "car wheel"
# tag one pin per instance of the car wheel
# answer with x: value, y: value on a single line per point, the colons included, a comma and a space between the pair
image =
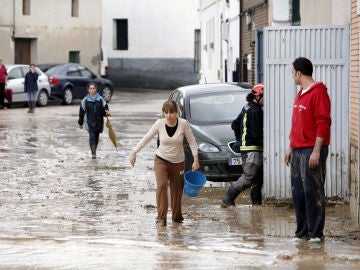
x: 68, y: 96
x: 42, y: 99
x: 106, y: 93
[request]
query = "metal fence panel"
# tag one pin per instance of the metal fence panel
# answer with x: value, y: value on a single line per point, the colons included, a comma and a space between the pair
x: 328, y: 48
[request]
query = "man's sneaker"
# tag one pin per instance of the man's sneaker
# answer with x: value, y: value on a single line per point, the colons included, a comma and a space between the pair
x: 296, y: 239
x: 315, y: 240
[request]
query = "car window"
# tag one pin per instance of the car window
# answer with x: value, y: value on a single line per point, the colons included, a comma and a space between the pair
x: 52, y: 70
x: 73, y: 71
x: 180, y: 104
x: 216, y: 108
x: 38, y: 71
x: 15, y: 73
x: 85, y: 72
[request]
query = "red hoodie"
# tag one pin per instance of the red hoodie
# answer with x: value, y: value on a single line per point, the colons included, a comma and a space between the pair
x: 311, y: 117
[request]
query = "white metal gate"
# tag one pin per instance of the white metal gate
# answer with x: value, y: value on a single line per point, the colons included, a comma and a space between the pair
x: 328, y: 49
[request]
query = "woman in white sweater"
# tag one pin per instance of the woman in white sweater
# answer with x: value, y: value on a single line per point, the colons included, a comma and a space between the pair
x: 169, y: 164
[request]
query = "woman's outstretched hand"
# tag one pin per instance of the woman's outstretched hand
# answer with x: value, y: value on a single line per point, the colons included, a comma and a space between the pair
x: 132, y: 158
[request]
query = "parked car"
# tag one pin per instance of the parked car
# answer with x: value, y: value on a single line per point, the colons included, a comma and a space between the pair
x: 104, y: 64
x: 68, y: 81
x: 210, y: 109
x: 16, y: 79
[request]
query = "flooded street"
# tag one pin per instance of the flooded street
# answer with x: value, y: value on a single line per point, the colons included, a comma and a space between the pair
x: 59, y: 209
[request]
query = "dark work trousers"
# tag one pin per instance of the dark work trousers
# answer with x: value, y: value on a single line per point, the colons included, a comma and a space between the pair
x: 174, y: 174
x: 308, y: 192
x: 2, y: 94
x: 252, y: 163
x: 93, y: 137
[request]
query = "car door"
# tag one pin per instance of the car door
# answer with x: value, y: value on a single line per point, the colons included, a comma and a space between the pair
x: 73, y: 77
x: 16, y: 84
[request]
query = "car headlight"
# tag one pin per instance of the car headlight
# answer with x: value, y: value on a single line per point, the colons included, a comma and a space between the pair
x: 207, y: 147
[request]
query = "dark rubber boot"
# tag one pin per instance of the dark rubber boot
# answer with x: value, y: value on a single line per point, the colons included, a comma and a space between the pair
x: 229, y: 198
x: 32, y: 107
x: 255, y: 194
x: 29, y: 103
x: 93, y: 151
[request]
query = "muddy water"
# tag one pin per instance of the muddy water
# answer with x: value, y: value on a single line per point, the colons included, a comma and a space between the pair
x: 61, y: 210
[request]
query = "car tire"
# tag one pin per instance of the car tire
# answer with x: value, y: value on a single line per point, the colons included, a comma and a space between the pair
x: 68, y: 96
x: 106, y: 93
x: 42, y: 98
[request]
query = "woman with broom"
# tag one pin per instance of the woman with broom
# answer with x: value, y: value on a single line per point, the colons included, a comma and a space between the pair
x: 93, y: 109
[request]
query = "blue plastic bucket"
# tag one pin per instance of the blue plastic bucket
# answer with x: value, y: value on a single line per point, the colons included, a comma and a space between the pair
x: 193, y: 183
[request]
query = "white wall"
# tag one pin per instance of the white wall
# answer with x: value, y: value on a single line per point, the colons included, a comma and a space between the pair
x: 156, y: 29
x: 215, y: 50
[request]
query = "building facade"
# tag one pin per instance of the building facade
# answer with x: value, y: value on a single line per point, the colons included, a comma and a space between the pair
x: 51, y: 31
x: 151, y: 44
x: 354, y: 110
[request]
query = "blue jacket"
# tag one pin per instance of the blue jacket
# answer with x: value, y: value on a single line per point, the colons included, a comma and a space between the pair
x: 92, y: 112
x: 31, y: 81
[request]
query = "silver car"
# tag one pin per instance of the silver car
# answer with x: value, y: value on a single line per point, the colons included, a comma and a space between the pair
x: 16, y: 79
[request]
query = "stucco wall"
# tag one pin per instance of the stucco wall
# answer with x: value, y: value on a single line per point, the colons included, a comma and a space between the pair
x: 325, y: 12
x: 54, y: 30
x: 160, y: 41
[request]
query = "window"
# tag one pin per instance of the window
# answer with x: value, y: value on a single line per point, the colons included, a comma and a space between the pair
x: 74, y: 8
x: 73, y: 72
x: 74, y: 56
x: 26, y: 7
x: 197, y: 56
x: 15, y: 73
x: 85, y: 72
x: 121, y: 34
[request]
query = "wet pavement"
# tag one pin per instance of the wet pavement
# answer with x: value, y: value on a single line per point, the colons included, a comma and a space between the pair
x: 59, y: 209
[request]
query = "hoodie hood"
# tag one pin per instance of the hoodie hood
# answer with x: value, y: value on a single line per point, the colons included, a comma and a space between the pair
x: 316, y: 85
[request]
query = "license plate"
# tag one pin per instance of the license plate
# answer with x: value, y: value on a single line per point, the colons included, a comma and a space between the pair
x: 234, y: 161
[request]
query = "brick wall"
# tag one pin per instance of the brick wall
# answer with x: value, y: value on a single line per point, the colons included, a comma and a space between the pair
x: 354, y: 111
x: 259, y: 19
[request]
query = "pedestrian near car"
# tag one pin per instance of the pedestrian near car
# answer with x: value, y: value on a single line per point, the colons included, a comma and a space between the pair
x: 93, y: 109
x: 248, y: 129
x: 169, y: 162
x: 308, y: 151
x: 3, y: 81
x: 31, y: 87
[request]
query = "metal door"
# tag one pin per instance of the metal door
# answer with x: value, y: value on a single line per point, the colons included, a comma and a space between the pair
x: 328, y: 48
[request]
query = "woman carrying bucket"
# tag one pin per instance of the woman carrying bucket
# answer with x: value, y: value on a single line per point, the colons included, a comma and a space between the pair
x: 169, y: 163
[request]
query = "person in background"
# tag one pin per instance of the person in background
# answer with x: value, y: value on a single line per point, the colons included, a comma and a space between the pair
x: 31, y: 87
x: 248, y: 129
x: 308, y: 151
x: 169, y: 163
x: 3, y: 81
x: 93, y: 109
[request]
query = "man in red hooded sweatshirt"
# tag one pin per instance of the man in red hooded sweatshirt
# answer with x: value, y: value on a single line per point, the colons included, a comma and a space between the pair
x: 308, y: 151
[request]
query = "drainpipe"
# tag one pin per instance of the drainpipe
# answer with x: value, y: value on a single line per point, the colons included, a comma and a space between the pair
x: 240, y: 40
x: 13, y: 32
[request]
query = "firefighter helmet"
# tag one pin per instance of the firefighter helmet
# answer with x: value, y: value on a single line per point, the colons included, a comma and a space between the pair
x: 258, y: 89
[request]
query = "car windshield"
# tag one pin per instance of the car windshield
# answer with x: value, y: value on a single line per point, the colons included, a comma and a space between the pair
x: 216, y: 108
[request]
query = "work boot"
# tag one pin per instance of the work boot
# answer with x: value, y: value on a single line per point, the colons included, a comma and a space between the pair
x: 93, y: 151
x: 33, y: 105
x: 229, y: 198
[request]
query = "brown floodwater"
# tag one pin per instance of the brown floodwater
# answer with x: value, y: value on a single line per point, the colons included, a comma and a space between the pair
x: 59, y: 209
